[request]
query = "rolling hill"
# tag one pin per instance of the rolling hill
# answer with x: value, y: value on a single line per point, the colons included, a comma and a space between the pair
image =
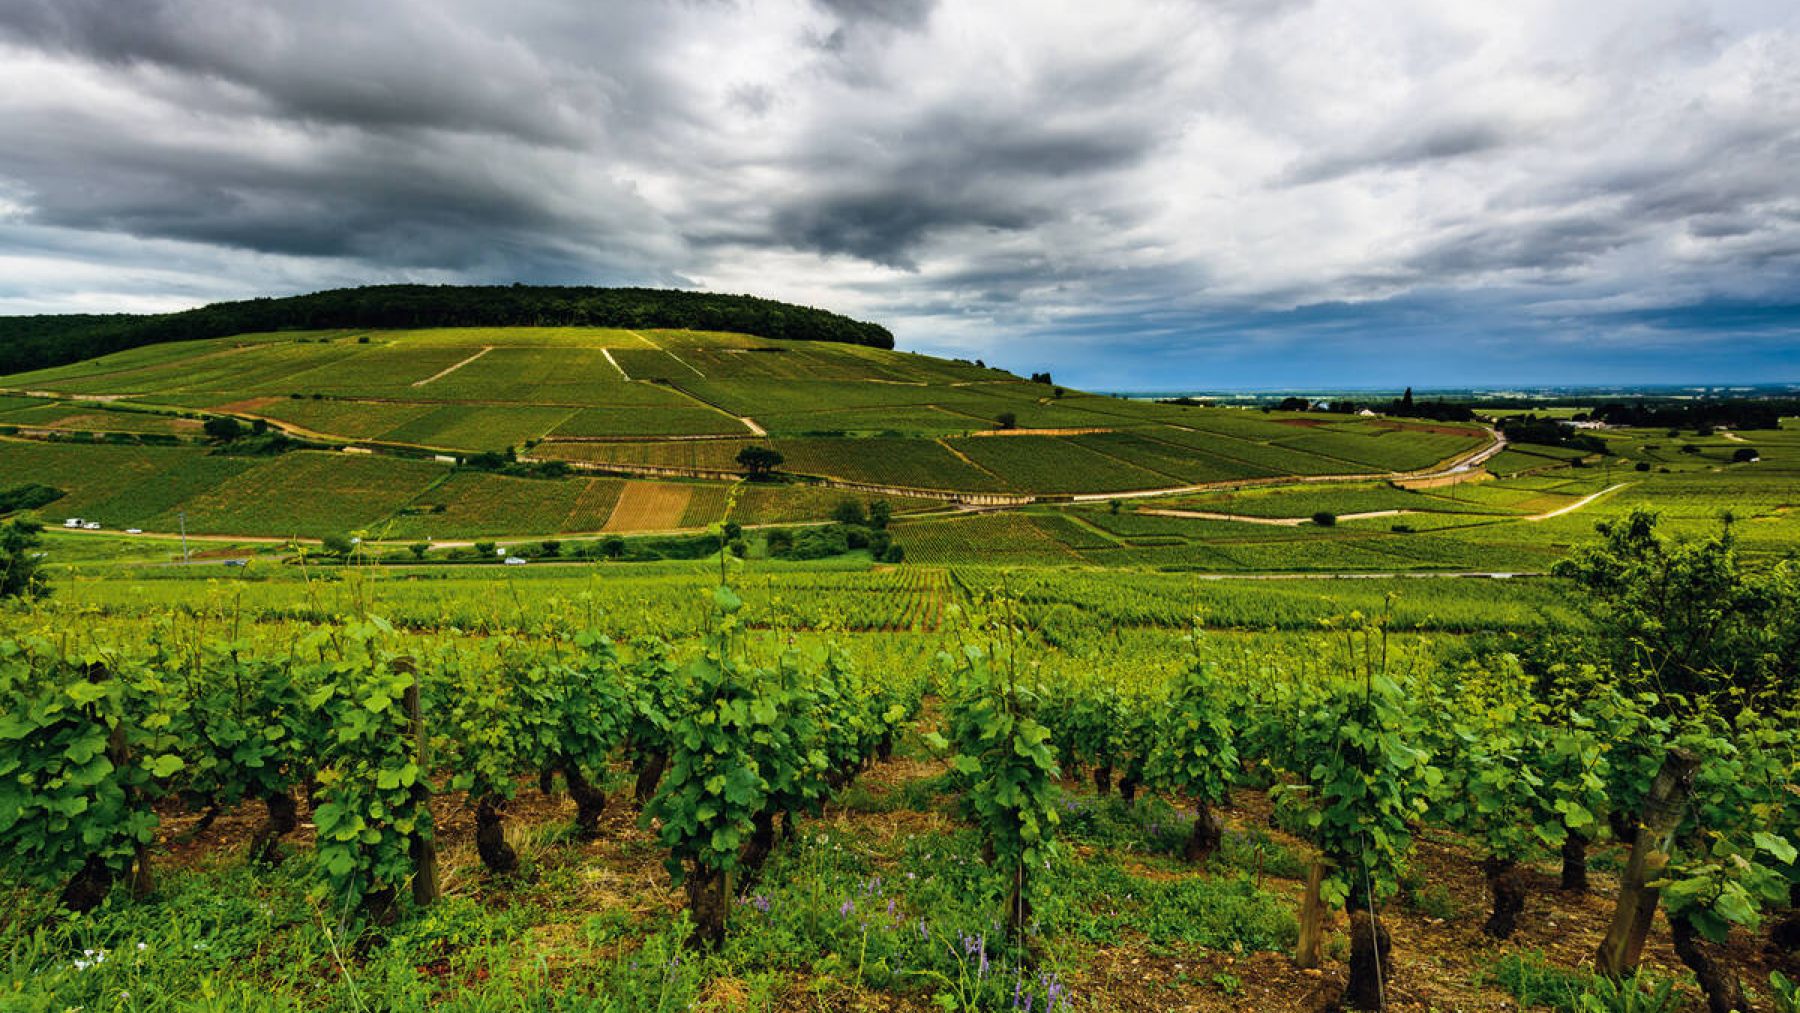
x: 408, y: 433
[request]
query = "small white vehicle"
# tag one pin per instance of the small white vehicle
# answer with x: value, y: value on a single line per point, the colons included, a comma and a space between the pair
x: 515, y: 560
x: 73, y: 522
x: 134, y: 531
x: 91, y: 526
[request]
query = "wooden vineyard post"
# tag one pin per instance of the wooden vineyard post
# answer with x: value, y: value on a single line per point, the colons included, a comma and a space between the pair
x: 425, y: 888
x: 1624, y: 943
x: 1312, y: 917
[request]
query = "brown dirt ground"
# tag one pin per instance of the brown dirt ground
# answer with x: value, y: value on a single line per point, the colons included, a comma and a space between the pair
x: 1438, y: 963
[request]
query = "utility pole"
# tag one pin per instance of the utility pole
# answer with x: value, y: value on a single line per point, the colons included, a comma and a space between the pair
x: 184, y: 549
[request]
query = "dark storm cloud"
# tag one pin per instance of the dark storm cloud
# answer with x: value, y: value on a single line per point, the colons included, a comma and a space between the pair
x: 332, y: 62
x: 901, y: 13
x: 1126, y: 184
x: 963, y: 173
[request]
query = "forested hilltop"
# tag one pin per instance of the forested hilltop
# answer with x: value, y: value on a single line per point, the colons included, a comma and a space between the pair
x: 39, y: 342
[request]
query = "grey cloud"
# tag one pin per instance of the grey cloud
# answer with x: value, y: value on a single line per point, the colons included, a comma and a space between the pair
x: 967, y: 173
x: 1429, y: 143
x: 407, y: 66
x: 899, y: 13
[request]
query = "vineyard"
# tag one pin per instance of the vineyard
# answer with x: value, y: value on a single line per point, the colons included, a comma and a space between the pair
x: 783, y: 742
x: 908, y: 787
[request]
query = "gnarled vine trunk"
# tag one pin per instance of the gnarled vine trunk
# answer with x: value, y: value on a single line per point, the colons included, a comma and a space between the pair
x: 206, y: 820
x: 1102, y: 778
x: 1205, y: 838
x: 1371, y: 964
x: 590, y: 801
x: 91, y: 883
x: 707, y: 896
x: 1506, y: 881
x: 1724, y: 992
x: 1784, y: 933
x: 756, y: 850
x: 650, y: 773
x: 1574, y: 863
x: 1128, y: 786
x: 490, y: 838
x: 89, y: 886
x: 381, y: 906
x: 281, y: 817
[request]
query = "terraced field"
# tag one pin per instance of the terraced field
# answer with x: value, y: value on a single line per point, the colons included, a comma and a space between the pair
x: 643, y: 404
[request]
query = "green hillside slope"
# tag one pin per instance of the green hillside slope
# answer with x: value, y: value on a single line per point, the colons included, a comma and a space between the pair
x: 36, y: 342
x: 656, y: 417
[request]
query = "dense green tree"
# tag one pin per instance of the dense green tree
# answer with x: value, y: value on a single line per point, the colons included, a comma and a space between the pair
x: 223, y: 428
x: 37, y: 342
x: 29, y: 496
x: 1688, y: 618
x: 849, y: 511
x: 21, y: 560
x: 759, y: 462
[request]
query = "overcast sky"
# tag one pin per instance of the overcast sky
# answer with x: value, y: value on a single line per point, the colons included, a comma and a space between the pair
x: 1136, y: 195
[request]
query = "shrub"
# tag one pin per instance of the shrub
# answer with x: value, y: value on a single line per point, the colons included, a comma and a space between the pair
x: 224, y: 429
x: 1324, y: 519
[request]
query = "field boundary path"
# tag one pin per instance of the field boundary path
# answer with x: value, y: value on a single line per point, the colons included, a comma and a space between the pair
x: 447, y: 370
x: 1578, y: 504
x: 1286, y: 522
x: 668, y: 353
x: 607, y: 352
x: 1461, y: 463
